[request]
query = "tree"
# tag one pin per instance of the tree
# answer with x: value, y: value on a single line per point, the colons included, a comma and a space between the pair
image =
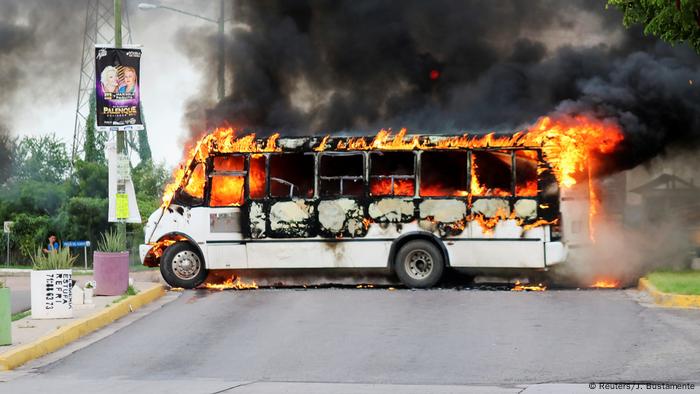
x: 90, y: 179
x: 673, y: 21
x: 7, y: 151
x: 43, y: 159
x: 94, y: 152
x: 30, y: 231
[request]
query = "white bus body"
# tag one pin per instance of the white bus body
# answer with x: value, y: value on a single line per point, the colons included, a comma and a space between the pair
x: 363, y: 231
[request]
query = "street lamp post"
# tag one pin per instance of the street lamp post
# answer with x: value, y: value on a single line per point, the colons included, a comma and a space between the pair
x: 220, y: 22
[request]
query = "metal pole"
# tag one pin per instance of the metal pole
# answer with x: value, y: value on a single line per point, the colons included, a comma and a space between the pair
x: 121, y: 134
x: 221, y: 69
x: 85, y: 251
x: 7, y: 259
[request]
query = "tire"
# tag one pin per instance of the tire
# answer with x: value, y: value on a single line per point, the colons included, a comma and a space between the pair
x: 419, y: 264
x: 183, y: 266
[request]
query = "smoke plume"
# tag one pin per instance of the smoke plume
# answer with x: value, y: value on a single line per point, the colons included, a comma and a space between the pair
x: 310, y: 67
x: 40, y: 44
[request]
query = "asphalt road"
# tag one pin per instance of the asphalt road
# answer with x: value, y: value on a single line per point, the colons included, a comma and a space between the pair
x: 377, y: 336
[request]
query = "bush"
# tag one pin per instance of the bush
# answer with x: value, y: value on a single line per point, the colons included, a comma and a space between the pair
x: 113, y: 241
x: 30, y: 230
x: 59, y: 260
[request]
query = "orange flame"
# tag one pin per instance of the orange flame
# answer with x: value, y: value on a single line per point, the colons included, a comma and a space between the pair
x: 221, y: 141
x: 382, y: 187
x: 521, y: 287
x: 604, y: 283
x: 232, y: 283
x: 568, y: 144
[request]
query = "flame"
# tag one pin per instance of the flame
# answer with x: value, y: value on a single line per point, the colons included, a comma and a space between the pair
x: 604, y: 283
x: 158, y: 249
x: 382, y: 187
x: 521, y: 287
x: 231, y: 283
x: 256, y: 176
x: 219, y: 141
x: 569, y: 144
x: 529, y: 189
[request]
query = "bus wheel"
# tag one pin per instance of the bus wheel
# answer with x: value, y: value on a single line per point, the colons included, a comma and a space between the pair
x: 419, y: 263
x: 182, y: 266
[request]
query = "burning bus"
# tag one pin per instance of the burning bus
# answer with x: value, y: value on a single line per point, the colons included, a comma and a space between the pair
x: 412, y: 204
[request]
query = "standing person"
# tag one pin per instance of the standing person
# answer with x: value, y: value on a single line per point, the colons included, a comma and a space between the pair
x: 53, y: 246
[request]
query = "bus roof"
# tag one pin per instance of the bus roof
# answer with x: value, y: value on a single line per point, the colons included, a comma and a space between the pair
x: 384, y: 141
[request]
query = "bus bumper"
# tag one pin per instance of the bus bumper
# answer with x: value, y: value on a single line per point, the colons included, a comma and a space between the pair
x: 554, y: 253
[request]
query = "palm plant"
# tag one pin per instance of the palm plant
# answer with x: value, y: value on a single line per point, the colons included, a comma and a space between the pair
x: 58, y: 260
x: 112, y: 242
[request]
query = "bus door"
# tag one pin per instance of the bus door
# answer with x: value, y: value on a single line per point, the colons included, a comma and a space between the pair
x: 282, y: 211
x: 224, y: 240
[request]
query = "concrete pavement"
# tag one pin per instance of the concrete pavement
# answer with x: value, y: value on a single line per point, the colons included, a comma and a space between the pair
x: 377, y: 337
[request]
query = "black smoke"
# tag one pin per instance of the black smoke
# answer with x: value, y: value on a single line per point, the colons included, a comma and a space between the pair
x: 310, y: 67
x: 40, y: 44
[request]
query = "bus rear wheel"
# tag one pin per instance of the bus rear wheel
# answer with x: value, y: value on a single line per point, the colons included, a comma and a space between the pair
x: 182, y: 266
x: 419, y: 264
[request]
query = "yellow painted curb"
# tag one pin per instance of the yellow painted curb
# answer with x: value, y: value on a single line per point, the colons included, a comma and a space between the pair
x: 71, y: 332
x: 668, y: 299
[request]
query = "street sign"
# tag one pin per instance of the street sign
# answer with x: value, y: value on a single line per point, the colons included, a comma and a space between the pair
x: 76, y: 244
x: 7, y: 227
x: 123, y: 168
x: 122, y: 206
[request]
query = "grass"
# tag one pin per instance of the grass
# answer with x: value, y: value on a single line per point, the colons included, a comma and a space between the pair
x: 141, y: 267
x: 21, y: 315
x: 676, y: 282
x: 15, y: 266
x: 129, y: 292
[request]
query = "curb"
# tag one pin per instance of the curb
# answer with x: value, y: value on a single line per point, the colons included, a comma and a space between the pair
x: 668, y: 299
x: 71, y: 332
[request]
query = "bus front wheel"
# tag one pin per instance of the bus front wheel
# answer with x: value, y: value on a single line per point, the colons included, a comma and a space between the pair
x: 419, y: 263
x: 182, y: 266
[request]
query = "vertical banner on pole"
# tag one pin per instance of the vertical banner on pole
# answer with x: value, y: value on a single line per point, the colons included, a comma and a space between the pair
x: 117, y: 73
x: 123, y: 206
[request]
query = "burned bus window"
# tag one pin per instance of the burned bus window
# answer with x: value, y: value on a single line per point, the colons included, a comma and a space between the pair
x: 256, y: 176
x: 341, y: 175
x: 526, y: 173
x: 195, y: 185
x: 392, y: 174
x: 229, y: 163
x: 227, y: 181
x: 443, y: 174
x: 226, y: 191
x: 292, y: 175
x: 491, y: 173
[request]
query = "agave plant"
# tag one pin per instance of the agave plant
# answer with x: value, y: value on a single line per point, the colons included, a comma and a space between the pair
x: 58, y: 260
x: 112, y: 242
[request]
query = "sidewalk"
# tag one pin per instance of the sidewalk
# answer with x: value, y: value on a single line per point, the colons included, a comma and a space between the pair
x: 33, y: 338
x: 18, y: 282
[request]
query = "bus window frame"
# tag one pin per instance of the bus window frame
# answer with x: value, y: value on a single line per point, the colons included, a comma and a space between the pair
x: 419, y: 171
x: 319, y: 177
x: 269, y: 178
x: 211, y: 172
x: 415, y: 176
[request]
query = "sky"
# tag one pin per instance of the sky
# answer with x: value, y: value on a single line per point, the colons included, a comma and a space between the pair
x: 168, y: 79
x: 314, y: 66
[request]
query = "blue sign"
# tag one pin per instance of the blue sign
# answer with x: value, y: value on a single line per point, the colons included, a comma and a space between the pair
x: 76, y: 244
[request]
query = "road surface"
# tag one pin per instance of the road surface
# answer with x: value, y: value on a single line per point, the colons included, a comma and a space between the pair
x: 377, y: 336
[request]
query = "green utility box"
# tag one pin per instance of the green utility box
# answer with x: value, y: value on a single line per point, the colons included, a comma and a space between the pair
x: 5, y: 317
